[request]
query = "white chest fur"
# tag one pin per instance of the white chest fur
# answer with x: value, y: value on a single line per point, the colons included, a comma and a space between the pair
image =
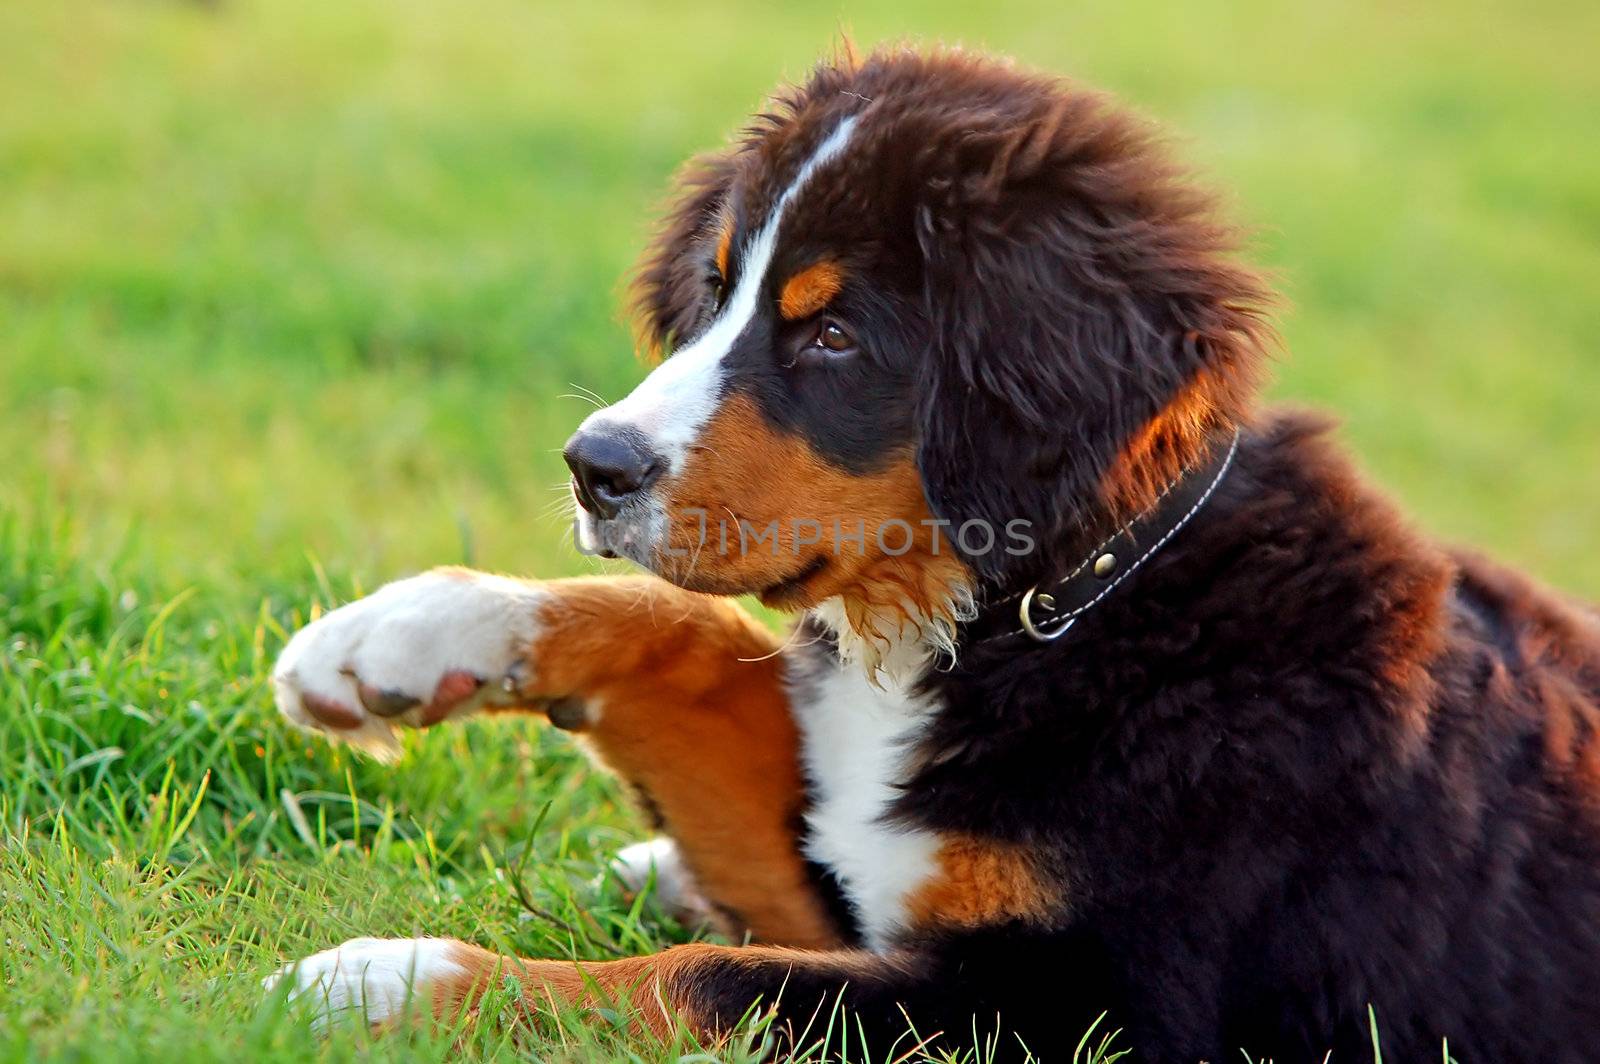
x: 854, y: 739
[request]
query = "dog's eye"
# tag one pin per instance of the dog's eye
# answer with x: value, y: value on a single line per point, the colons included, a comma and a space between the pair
x: 833, y: 338
x: 719, y: 289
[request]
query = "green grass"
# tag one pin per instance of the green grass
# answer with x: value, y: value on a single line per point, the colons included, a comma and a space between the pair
x: 290, y: 298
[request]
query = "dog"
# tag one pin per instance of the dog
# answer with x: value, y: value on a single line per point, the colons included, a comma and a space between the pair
x: 1112, y: 693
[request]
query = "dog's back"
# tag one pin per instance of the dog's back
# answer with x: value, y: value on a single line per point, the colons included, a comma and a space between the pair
x: 1312, y: 764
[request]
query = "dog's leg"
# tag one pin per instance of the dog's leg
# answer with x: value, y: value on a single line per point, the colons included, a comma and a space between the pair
x: 707, y: 988
x: 680, y: 694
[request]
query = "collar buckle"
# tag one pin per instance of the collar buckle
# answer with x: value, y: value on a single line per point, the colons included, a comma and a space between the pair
x: 1046, y: 602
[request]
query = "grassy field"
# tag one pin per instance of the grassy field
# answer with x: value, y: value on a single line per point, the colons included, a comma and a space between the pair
x: 294, y: 296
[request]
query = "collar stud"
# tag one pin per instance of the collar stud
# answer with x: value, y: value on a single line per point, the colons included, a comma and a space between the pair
x: 1105, y: 565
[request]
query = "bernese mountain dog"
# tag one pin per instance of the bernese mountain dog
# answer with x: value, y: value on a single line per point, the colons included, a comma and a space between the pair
x: 1112, y: 693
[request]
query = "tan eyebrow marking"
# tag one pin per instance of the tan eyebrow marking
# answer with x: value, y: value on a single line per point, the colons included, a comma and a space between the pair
x: 724, y: 247
x: 810, y: 290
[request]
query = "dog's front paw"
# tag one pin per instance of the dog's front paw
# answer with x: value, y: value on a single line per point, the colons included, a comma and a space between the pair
x: 657, y: 861
x: 374, y: 980
x: 411, y: 654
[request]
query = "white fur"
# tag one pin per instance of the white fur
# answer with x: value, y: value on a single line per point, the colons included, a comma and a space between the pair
x: 404, y: 637
x: 367, y: 978
x: 901, y: 653
x: 675, y: 888
x: 633, y: 865
x: 855, y: 730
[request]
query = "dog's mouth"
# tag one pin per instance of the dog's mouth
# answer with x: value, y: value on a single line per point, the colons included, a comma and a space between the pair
x: 791, y: 591
x: 639, y: 537
x: 627, y: 535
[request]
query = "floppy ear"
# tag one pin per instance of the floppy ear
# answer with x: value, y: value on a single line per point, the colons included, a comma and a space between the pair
x: 669, y: 281
x: 1089, y: 330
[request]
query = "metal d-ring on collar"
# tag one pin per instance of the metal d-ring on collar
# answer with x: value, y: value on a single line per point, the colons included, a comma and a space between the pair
x: 1105, y: 563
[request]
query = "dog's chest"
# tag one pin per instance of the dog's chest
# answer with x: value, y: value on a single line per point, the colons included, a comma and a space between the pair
x: 855, y: 738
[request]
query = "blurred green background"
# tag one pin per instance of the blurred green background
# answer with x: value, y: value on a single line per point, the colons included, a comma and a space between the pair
x: 297, y: 296
x: 298, y: 276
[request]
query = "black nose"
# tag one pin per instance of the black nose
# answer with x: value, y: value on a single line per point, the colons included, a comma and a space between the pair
x: 607, y: 467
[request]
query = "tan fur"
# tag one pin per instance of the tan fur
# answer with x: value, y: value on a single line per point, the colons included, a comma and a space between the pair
x: 743, y: 469
x: 724, y: 251
x: 635, y: 984
x: 657, y: 991
x: 687, y: 705
x: 1169, y: 442
x: 982, y: 882
x: 810, y: 290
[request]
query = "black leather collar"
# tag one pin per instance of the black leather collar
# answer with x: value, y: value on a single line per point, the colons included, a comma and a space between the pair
x: 1048, y: 609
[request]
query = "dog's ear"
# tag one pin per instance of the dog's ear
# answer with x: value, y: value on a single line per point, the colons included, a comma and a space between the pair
x: 1090, y: 330
x: 670, y: 280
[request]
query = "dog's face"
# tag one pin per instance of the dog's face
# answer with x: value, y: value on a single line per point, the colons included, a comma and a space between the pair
x: 786, y: 412
x: 929, y: 319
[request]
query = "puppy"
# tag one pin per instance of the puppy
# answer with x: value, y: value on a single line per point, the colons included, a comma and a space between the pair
x: 1110, y: 694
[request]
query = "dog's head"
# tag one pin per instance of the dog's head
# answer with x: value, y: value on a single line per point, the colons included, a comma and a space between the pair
x: 929, y: 322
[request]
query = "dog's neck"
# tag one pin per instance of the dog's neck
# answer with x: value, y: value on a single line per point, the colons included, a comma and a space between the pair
x: 896, y: 647
x: 1052, y: 600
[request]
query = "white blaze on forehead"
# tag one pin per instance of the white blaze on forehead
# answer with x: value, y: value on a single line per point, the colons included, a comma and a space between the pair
x: 672, y: 404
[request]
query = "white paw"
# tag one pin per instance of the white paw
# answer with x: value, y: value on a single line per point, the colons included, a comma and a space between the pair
x: 370, y: 979
x: 412, y: 653
x: 675, y: 888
